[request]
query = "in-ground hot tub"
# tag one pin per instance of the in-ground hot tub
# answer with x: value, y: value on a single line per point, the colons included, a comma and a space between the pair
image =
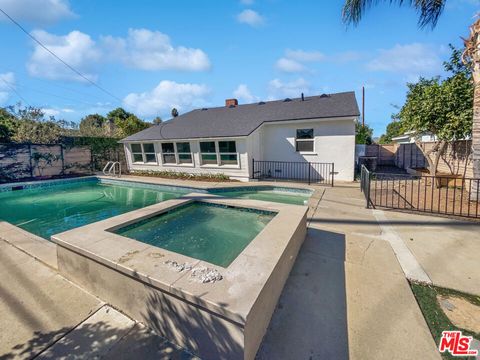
x: 206, y: 231
x: 215, y: 304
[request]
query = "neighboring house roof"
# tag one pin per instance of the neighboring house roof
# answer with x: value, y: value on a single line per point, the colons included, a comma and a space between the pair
x: 242, y: 120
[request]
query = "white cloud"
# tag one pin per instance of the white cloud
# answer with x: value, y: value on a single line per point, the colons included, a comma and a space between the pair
x: 142, y: 49
x: 56, y: 111
x: 294, y: 60
x: 412, y: 59
x: 76, y: 49
x: 36, y: 11
x: 7, y: 82
x: 304, y: 56
x: 292, y: 89
x: 289, y: 65
x: 152, y: 50
x: 250, y: 17
x: 242, y: 92
x: 166, y: 95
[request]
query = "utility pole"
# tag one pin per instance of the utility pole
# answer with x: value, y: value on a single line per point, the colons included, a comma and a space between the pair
x: 363, y: 106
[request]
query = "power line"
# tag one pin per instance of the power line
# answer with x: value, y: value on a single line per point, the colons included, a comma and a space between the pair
x: 58, y: 58
x: 93, y: 105
x: 15, y: 91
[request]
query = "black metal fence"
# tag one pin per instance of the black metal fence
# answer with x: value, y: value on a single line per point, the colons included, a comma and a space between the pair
x: 446, y: 195
x: 311, y: 172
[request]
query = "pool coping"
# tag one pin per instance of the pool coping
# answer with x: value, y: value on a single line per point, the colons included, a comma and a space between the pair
x: 31, y: 244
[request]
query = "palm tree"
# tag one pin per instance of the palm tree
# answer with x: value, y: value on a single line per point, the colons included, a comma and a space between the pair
x: 429, y: 11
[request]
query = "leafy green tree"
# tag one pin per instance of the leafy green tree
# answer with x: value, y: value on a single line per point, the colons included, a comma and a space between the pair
x: 440, y: 107
x: 8, y: 125
x: 363, y: 134
x: 129, y: 126
x: 157, y: 121
x: 174, y: 112
x: 93, y: 125
x: 393, y: 129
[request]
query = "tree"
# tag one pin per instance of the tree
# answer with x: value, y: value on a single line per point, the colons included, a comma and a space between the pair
x: 394, y: 128
x: 8, y: 125
x: 440, y: 107
x: 429, y: 12
x: 93, y: 125
x: 129, y: 126
x: 157, y: 121
x: 174, y: 112
x: 363, y: 134
x: 471, y: 57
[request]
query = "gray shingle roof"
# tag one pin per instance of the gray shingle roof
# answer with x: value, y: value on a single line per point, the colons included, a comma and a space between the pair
x: 244, y: 119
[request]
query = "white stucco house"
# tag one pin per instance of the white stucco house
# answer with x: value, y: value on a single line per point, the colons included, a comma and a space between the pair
x: 227, y: 139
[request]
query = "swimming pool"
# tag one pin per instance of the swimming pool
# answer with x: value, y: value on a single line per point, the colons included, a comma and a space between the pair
x: 282, y: 195
x: 50, y: 207
x: 45, y: 211
x: 210, y: 232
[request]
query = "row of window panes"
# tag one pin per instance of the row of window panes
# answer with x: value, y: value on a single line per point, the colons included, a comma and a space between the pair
x: 144, y: 153
x: 227, y: 152
x: 211, y: 152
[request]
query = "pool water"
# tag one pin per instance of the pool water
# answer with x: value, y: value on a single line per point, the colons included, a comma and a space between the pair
x: 50, y: 210
x: 209, y: 232
x: 292, y: 198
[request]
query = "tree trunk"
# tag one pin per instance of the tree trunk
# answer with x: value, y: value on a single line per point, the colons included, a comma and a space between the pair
x: 476, y: 130
x: 438, y: 149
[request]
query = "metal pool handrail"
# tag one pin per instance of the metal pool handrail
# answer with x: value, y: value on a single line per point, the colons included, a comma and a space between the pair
x: 110, y: 169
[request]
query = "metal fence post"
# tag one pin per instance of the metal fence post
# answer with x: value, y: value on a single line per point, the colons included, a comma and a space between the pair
x: 253, y: 168
x: 309, y: 167
x: 333, y: 173
x: 368, y: 189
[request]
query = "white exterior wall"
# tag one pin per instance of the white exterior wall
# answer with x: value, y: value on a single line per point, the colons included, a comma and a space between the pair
x: 239, y: 171
x: 334, y: 142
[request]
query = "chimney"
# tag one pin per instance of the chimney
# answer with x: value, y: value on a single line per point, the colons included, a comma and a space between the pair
x: 231, y: 103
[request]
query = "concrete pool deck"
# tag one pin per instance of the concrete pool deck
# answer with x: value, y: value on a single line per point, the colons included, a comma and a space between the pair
x: 346, y: 297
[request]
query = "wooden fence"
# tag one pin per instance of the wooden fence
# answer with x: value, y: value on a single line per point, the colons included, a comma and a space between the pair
x: 29, y: 161
x: 455, y: 160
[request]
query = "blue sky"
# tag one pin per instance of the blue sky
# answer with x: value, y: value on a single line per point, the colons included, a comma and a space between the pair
x: 155, y: 55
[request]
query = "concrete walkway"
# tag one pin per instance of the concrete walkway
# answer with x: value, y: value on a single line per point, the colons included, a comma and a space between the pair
x: 347, y: 296
x: 45, y: 316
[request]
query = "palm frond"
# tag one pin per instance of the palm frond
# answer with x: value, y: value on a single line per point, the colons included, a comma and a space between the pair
x: 428, y: 10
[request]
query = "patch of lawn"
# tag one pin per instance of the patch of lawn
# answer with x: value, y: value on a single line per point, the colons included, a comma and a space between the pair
x: 436, y: 319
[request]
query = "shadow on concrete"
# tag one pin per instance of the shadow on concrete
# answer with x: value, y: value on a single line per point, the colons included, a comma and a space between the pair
x: 200, y: 329
x: 394, y: 222
x: 97, y: 340
x: 310, y: 321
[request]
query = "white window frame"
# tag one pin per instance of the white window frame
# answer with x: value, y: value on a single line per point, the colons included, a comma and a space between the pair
x: 176, y: 154
x: 208, y: 153
x: 226, y: 153
x: 218, y: 155
x: 144, y: 154
x: 312, y: 140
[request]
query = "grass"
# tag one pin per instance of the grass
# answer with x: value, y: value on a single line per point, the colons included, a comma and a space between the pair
x: 436, y: 319
x: 183, y: 175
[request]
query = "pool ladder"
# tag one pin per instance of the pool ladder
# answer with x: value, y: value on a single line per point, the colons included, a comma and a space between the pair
x: 111, y: 169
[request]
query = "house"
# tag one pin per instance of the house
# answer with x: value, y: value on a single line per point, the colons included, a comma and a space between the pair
x: 228, y: 139
x: 410, y: 137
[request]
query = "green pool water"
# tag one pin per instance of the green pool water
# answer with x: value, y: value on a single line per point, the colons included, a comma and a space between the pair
x: 51, y: 210
x: 213, y: 233
x: 269, y: 195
